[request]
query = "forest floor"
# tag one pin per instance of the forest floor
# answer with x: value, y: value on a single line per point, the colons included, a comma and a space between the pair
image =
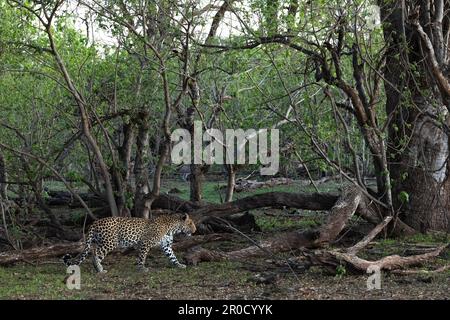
x: 236, y: 280
x: 214, y: 280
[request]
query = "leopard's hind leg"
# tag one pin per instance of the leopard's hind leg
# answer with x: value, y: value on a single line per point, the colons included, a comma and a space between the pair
x: 97, y: 258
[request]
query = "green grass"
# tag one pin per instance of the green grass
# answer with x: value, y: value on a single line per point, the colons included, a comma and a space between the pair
x: 429, y: 238
x: 76, y: 215
x: 59, y: 186
x: 281, y: 223
x: 47, y: 281
x: 212, y: 192
x: 210, y: 280
x: 402, y: 247
x: 387, y: 242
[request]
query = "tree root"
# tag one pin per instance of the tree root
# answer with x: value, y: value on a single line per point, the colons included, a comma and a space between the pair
x: 333, y: 258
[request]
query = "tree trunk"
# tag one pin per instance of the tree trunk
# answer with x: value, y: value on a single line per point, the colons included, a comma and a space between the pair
x: 196, y: 179
x: 3, y: 177
x: 125, y: 151
x: 423, y: 188
x: 140, y: 165
x: 231, y: 182
x: 418, y: 147
x: 120, y: 191
x: 85, y: 121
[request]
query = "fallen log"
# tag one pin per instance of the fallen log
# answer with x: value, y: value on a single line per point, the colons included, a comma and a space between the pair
x: 372, y: 234
x: 173, y: 203
x: 242, y: 185
x: 201, y: 212
x: 11, y: 257
x: 73, y: 248
x: 245, y: 222
x: 306, y: 201
x: 314, y: 201
x: 343, y: 209
x: 333, y: 258
x: 425, y: 272
x: 59, y: 198
x: 284, y: 242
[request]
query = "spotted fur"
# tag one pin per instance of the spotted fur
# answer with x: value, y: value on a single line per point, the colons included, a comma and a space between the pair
x: 120, y: 232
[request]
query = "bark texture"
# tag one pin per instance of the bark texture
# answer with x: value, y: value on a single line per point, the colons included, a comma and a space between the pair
x: 417, y: 101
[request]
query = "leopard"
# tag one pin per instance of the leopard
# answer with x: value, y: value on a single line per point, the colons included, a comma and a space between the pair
x: 142, y: 234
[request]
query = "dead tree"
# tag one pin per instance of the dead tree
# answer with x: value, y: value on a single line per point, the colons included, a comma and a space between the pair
x: 314, y: 243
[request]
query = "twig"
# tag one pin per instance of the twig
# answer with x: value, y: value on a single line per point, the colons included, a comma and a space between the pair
x: 408, y: 272
x: 38, y: 159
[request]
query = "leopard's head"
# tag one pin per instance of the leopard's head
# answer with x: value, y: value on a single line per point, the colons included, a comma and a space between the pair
x: 187, y: 225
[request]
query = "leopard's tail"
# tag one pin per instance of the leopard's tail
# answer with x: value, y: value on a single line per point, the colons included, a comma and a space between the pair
x: 69, y: 261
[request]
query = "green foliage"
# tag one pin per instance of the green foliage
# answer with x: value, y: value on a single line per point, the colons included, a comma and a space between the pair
x: 121, y: 78
x: 341, y: 271
x: 78, y: 217
x: 263, y: 83
x: 403, y: 196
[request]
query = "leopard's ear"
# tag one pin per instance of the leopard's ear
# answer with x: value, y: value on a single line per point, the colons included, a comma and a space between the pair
x: 185, y: 216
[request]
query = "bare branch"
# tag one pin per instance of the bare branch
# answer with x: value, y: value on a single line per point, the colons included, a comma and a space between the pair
x: 56, y: 173
x: 441, y: 79
x: 364, y: 242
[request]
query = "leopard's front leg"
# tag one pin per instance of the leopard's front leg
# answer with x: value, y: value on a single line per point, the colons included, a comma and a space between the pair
x: 166, y: 246
x: 142, y: 255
